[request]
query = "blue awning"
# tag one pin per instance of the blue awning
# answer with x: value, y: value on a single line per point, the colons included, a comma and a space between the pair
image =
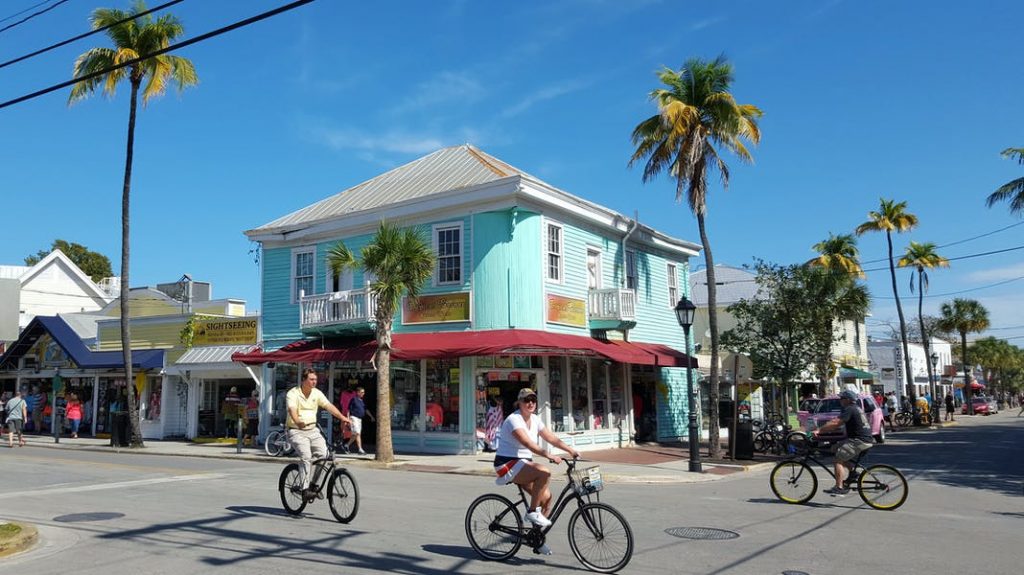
x: 82, y: 356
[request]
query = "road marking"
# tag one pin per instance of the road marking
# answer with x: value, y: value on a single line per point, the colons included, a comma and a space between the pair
x: 115, y: 485
x: 101, y: 464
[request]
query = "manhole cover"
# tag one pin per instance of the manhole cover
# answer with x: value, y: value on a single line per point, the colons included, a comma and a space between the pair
x: 82, y: 517
x: 794, y: 573
x: 701, y: 533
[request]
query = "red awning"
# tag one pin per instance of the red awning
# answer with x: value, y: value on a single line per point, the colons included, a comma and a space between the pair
x: 438, y: 345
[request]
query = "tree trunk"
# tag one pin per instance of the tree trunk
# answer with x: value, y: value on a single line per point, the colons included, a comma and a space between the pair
x: 126, y: 334
x: 908, y: 377
x: 712, y: 419
x: 967, y: 378
x: 385, y: 450
x: 926, y: 342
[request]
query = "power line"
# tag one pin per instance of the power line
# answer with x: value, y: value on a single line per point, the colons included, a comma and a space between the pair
x: 968, y: 256
x: 160, y: 52
x: 993, y: 232
x: 16, y: 14
x: 90, y: 33
x: 31, y: 16
x: 965, y: 290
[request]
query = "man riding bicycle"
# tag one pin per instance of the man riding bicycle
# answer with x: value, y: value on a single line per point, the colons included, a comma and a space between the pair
x: 303, y: 401
x: 858, y: 438
x: 513, y: 462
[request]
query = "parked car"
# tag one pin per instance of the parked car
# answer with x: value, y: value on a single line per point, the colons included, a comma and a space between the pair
x: 828, y: 408
x: 806, y: 409
x: 981, y: 406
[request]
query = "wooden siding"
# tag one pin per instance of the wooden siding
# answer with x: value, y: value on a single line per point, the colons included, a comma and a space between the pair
x: 149, y: 335
x: 505, y: 271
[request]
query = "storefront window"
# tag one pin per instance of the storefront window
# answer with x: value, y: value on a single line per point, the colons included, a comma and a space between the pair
x: 442, y: 409
x: 556, y: 366
x: 580, y: 394
x: 151, y: 399
x: 112, y: 399
x: 405, y: 396
x: 599, y: 380
x: 617, y: 385
x: 286, y: 376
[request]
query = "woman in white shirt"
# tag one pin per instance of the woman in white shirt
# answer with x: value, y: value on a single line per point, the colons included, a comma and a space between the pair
x: 513, y: 463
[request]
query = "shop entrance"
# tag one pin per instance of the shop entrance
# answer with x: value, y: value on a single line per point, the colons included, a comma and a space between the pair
x: 220, y: 408
x: 497, y: 392
x: 346, y: 381
x: 645, y: 403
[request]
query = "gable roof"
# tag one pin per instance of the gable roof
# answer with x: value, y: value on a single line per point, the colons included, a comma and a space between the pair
x: 444, y: 170
x: 76, y: 273
x: 733, y: 285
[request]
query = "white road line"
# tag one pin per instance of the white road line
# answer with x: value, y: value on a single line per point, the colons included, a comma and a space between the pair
x: 115, y: 485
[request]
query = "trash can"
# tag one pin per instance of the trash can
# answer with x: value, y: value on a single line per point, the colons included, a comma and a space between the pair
x: 119, y: 430
x: 744, y: 439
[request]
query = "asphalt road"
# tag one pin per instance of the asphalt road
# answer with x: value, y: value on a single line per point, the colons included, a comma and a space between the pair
x: 110, y: 514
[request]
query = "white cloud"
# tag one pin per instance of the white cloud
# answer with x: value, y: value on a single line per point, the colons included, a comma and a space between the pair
x: 394, y: 141
x: 706, y: 23
x: 997, y: 274
x: 542, y: 95
x: 445, y: 88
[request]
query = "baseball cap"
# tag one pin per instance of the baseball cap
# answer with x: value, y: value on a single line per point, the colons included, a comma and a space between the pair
x: 848, y: 394
x: 526, y: 392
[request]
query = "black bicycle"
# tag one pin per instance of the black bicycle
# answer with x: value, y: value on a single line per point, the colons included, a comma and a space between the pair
x: 341, y: 488
x: 599, y: 535
x: 880, y: 486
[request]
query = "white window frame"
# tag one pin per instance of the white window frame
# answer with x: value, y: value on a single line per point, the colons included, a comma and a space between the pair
x: 673, y: 284
x: 435, y: 230
x: 560, y: 254
x: 293, y: 278
x: 600, y: 267
x: 629, y: 266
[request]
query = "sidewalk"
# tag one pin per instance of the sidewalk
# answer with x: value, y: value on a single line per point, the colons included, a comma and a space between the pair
x: 641, y: 464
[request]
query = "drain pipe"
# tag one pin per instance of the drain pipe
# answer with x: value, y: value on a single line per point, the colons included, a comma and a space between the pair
x: 632, y: 228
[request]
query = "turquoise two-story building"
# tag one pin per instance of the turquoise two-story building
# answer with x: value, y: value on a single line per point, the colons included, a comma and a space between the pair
x: 532, y: 286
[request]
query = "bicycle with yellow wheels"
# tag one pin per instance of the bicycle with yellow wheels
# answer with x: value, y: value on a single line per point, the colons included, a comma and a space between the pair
x: 794, y: 481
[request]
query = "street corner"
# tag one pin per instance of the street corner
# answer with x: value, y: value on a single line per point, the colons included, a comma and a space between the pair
x: 16, y: 537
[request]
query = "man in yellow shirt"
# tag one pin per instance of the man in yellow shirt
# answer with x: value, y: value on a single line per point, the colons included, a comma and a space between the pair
x: 303, y: 402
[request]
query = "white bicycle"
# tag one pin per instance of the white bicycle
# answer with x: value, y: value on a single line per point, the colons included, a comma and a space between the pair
x: 277, y: 444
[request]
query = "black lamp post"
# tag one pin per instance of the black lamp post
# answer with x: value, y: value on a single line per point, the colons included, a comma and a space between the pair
x: 685, y: 310
x: 935, y: 388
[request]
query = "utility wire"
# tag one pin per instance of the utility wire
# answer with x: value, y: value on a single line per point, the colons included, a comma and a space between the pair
x: 160, y: 52
x: 90, y: 33
x: 957, y: 242
x: 963, y: 290
x: 31, y: 16
x: 16, y: 14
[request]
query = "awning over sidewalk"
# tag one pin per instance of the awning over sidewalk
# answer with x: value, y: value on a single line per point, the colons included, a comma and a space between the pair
x: 74, y: 348
x: 438, y: 345
x: 854, y: 373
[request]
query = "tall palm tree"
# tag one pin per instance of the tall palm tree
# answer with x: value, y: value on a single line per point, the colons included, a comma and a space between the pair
x: 696, y: 116
x: 1012, y: 190
x: 892, y: 217
x: 401, y: 260
x: 964, y: 316
x: 838, y: 253
x: 923, y: 257
x: 132, y: 39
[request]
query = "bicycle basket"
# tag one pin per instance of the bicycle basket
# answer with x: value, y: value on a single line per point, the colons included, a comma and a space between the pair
x: 588, y: 480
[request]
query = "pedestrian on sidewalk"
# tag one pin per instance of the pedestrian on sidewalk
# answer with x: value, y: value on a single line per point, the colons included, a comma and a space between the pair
x: 229, y: 409
x: 949, y: 407
x: 356, y: 412
x: 17, y: 413
x: 39, y: 402
x: 73, y: 411
x: 3, y: 411
x: 252, y: 417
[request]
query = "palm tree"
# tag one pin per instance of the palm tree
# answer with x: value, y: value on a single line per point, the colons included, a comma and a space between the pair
x: 840, y: 298
x: 1012, y: 190
x: 132, y: 39
x: 401, y: 260
x: 964, y: 316
x: 696, y: 116
x: 923, y: 257
x: 838, y: 253
x: 893, y: 217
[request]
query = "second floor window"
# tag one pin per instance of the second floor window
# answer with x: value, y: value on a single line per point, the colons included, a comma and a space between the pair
x: 448, y: 243
x: 554, y: 253
x: 302, y: 272
x: 673, y: 285
x: 631, y: 270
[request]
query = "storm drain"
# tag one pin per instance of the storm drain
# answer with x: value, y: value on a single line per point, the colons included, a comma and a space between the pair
x: 84, y: 517
x: 701, y: 533
x: 794, y: 573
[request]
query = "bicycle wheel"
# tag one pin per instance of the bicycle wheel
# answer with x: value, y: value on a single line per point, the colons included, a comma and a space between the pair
x: 883, y: 487
x: 343, y: 496
x: 600, y: 537
x: 494, y: 527
x: 797, y: 442
x: 904, y: 419
x: 793, y: 482
x: 291, y: 489
x: 275, y: 443
x: 761, y: 441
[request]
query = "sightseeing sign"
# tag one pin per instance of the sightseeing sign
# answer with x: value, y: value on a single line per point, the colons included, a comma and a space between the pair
x: 225, y: 331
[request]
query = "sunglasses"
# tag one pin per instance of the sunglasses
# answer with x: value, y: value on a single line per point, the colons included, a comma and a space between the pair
x: 531, y: 399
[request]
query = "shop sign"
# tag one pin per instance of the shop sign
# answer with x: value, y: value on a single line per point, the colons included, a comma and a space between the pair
x: 225, y: 331
x: 567, y: 310
x: 442, y: 308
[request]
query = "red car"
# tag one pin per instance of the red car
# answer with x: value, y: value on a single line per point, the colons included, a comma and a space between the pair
x: 980, y: 406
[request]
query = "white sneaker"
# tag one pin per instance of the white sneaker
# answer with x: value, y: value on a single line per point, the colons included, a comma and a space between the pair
x: 538, y: 519
x: 543, y: 550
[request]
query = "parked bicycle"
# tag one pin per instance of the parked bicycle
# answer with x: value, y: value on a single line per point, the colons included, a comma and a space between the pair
x: 794, y: 481
x: 774, y: 438
x: 599, y: 535
x: 277, y: 443
x: 341, y: 488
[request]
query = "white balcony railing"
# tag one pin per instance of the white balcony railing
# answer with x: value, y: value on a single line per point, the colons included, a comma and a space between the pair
x: 613, y: 304
x: 336, y: 308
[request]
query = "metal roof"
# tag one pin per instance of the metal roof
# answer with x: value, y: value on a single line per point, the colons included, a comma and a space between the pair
x: 75, y: 349
x: 212, y: 354
x: 444, y: 170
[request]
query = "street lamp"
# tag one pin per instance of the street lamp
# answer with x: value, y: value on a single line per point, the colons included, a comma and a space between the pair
x: 685, y: 310
x: 935, y: 388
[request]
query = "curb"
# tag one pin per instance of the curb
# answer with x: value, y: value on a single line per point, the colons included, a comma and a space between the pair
x: 24, y: 540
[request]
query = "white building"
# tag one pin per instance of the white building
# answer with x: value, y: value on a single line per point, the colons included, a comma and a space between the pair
x: 886, y: 360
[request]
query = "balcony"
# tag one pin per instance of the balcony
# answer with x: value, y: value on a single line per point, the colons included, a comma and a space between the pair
x: 337, y: 312
x: 612, y: 308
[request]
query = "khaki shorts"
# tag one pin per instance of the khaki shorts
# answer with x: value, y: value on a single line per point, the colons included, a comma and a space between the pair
x: 848, y: 449
x: 356, y: 425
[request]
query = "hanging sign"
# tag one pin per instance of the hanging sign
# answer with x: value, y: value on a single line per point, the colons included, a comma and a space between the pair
x: 441, y: 308
x: 567, y: 310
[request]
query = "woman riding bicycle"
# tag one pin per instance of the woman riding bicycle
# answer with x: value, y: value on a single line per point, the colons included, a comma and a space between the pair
x: 513, y: 463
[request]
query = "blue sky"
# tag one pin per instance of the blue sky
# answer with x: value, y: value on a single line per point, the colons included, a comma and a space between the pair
x: 862, y: 100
